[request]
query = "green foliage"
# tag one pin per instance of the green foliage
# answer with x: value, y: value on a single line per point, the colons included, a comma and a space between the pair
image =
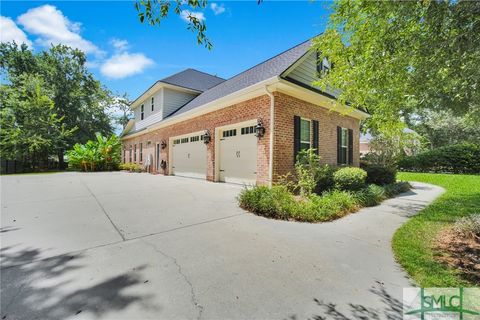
x: 79, y: 100
x: 324, y: 178
x: 154, y: 11
x: 101, y: 154
x: 399, y: 58
x: 396, y: 188
x: 370, y: 196
x: 461, y: 158
x: 350, y: 178
x: 132, y: 167
x: 276, y: 202
x: 331, y: 205
x: 414, y: 242
x: 380, y: 175
x: 30, y: 128
x: 444, y: 127
x: 307, y: 169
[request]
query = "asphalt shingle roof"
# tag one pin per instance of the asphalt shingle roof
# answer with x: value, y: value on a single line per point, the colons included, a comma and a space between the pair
x: 193, y: 79
x: 272, y: 67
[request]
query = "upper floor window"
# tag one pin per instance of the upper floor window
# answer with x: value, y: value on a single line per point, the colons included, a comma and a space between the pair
x: 153, y: 104
x: 323, y: 66
x: 142, y: 114
x: 304, y: 134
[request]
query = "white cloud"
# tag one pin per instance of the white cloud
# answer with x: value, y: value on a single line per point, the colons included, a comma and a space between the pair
x: 125, y: 64
x: 119, y: 44
x: 9, y: 32
x: 185, y: 14
x: 52, y: 27
x: 217, y: 9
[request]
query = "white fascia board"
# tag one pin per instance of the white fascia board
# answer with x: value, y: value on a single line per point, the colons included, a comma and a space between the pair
x: 128, y: 127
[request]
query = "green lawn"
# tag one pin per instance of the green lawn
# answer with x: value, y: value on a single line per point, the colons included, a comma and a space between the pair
x: 412, y: 243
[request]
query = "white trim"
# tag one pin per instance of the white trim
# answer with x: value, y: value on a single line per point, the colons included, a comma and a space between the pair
x: 216, y: 174
x: 272, y: 126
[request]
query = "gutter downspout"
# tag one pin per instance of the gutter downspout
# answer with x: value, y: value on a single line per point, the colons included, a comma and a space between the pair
x: 272, y: 119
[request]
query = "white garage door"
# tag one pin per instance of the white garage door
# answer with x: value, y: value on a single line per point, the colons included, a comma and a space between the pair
x: 189, y: 156
x: 238, y: 155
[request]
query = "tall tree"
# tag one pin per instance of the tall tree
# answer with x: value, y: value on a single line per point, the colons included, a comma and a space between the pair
x: 79, y: 99
x: 400, y: 58
x: 31, y: 130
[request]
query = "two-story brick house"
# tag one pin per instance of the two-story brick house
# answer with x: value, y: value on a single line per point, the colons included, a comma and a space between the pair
x: 246, y: 129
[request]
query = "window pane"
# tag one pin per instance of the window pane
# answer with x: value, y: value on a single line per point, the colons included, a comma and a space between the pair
x: 304, y: 145
x: 344, y: 137
x: 305, y: 130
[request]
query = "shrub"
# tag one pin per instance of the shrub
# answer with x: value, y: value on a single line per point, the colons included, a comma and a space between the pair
x: 350, y: 178
x: 370, y: 196
x: 276, y: 202
x: 100, y: 154
x: 393, y: 189
x: 324, y: 179
x: 132, y: 167
x: 307, y: 169
x: 329, y: 206
x: 469, y: 225
x: 380, y: 175
x: 459, y: 158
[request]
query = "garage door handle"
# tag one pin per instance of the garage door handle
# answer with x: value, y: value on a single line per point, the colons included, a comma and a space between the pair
x: 222, y: 170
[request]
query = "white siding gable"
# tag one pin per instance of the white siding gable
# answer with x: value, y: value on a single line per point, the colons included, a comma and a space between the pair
x: 173, y: 99
x: 306, y: 72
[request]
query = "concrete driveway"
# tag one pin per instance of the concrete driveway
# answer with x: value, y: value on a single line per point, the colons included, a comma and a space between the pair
x: 139, y: 246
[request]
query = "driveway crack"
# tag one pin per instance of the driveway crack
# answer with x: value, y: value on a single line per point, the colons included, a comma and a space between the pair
x: 193, y: 296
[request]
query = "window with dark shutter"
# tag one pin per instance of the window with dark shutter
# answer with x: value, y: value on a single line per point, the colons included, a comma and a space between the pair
x: 315, y: 135
x: 350, y: 146
x: 296, y: 137
x: 339, y: 145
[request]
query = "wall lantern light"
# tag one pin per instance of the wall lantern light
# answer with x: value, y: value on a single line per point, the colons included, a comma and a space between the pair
x: 259, y: 129
x: 164, y: 144
x: 206, y: 137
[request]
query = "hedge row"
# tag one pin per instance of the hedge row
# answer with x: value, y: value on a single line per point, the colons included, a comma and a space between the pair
x: 460, y: 158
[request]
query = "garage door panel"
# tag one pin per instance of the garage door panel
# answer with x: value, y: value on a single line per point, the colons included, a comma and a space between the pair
x: 189, y: 157
x: 238, y: 156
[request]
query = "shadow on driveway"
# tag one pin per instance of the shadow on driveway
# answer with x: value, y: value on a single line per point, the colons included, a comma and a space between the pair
x: 40, y: 290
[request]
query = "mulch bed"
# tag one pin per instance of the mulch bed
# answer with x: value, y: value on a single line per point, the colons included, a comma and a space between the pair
x: 460, y: 251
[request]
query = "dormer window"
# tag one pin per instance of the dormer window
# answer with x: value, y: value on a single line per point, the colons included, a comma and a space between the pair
x: 142, y: 114
x: 153, y: 104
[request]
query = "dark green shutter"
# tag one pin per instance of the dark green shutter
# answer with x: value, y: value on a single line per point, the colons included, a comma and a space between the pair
x: 339, y: 145
x: 350, y: 146
x: 296, y: 137
x: 315, y: 135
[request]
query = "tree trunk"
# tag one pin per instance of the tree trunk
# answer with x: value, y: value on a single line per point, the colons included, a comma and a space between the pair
x: 61, y: 160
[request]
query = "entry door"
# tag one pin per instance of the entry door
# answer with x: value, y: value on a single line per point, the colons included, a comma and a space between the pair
x: 189, y: 156
x: 238, y: 155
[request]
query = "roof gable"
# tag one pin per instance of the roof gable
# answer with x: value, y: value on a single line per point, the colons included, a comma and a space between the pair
x: 270, y: 68
x: 193, y: 79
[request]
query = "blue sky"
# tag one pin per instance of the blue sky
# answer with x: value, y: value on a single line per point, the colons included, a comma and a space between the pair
x: 128, y: 56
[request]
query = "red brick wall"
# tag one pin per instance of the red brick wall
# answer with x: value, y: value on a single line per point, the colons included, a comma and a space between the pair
x: 256, y: 108
x: 286, y: 107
